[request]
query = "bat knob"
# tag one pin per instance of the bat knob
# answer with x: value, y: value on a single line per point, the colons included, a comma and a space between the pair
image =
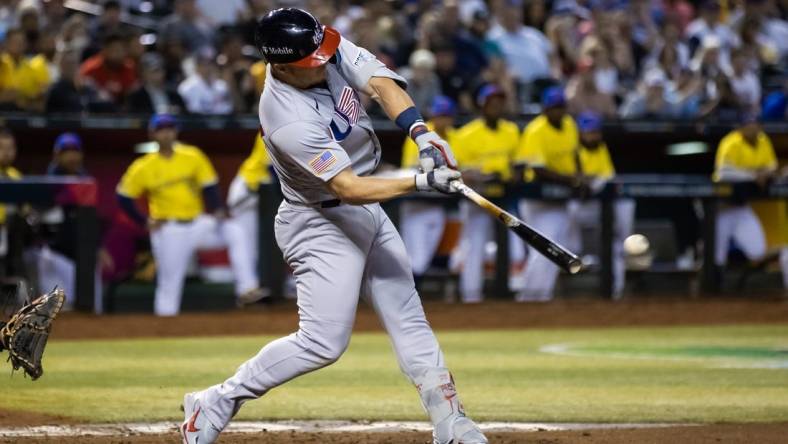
x: 454, y: 186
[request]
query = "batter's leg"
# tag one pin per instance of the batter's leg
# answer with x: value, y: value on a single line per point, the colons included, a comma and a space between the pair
x: 173, y: 247
x: 327, y: 255
x: 389, y: 285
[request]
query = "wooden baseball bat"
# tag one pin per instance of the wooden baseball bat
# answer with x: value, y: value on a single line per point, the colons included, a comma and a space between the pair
x: 550, y: 249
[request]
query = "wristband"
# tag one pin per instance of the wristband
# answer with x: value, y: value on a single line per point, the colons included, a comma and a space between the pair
x: 408, y: 118
x: 423, y: 182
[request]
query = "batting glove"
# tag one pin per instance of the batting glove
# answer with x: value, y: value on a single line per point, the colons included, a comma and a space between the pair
x: 434, y: 152
x: 437, y: 180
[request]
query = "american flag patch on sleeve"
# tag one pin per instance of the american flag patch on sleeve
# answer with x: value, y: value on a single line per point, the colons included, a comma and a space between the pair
x: 322, y: 162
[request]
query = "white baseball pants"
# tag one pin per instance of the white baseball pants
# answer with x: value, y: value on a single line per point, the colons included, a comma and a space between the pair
x: 478, y: 229
x: 421, y: 226
x: 740, y: 224
x: 337, y: 254
x: 174, y: 244
x: 539, y: 276
x: 57, y: 270
x: 588, y: 214
x: 241, y: 232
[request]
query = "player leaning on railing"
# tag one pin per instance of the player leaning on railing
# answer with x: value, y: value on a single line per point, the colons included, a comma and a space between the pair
x: 745, y: 154
x: 331, y: 229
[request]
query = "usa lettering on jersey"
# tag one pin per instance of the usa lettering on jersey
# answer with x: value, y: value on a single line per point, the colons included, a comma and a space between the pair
x: 322, y: 162
x: 348, y: 105
x: 346, y: 114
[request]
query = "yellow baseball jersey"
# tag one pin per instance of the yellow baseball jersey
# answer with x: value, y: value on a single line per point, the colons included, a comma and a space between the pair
x: 410, y: 151
x: 30, y: 77
x: 173, y: 185
x: 543, y: 145
x: 477, y: 146
x: 736, y: 152
x: 596, y: 162
x: 254, y: 170
x: 8, y: 172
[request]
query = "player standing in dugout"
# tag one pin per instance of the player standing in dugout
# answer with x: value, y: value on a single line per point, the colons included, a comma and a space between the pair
x: 331, y: 228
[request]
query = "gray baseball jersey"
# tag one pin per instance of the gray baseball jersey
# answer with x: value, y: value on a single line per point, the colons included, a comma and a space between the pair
x: 313, y: 134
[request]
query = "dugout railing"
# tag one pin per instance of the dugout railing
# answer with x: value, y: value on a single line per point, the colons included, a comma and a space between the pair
x: 79, y: 194
x: 642, y: 188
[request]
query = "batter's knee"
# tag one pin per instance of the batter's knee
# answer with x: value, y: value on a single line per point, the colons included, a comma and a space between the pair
x: 326, y: 341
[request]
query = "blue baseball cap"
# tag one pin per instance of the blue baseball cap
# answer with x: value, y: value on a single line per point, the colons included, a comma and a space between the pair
x: 442, y: 106
x: 589, y: 121
x: 160, y: 121
x: 487, y: 91
x: 553, y: 97
x: 68, y: 141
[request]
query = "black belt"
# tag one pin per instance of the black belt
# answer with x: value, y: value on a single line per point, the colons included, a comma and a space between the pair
x: 180, y: 221
x: 324, y: 204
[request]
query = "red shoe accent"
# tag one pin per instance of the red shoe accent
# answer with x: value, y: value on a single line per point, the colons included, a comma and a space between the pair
x: 190, y: 425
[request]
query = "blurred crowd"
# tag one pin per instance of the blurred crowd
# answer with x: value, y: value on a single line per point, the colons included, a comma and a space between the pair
x: 669, y: 59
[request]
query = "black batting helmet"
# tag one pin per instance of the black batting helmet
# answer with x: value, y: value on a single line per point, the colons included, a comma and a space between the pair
x: 293, y: 36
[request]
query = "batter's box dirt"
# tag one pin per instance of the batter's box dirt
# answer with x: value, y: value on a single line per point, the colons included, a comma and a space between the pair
x: 735, y: 434
x: 533, y: 433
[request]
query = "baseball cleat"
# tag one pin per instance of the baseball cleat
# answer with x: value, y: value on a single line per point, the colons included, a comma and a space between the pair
x: 196, y: 429
x: 464, y: 431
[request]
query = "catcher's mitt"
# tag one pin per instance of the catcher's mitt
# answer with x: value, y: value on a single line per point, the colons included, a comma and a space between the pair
x: 25, y: 334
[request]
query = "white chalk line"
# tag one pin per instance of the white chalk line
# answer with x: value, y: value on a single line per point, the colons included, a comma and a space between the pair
x: 249, y: 427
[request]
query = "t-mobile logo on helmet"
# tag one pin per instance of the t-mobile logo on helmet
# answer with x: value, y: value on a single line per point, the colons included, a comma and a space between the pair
x: 318, y: 37
x: 277, y: 51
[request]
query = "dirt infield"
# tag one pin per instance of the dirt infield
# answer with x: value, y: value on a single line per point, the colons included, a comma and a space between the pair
x: 707, y: 434
x: 282, y: 318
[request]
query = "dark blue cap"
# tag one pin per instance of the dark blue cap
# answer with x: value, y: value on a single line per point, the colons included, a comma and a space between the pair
x: 488, y: 91
x: 589, y: 121
x: 68, y: 141
x: 442, y: 106
x: 159, y: 121
x: 552, y: 97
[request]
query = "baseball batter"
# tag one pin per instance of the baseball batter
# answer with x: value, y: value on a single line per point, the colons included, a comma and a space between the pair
x: 331, y: 229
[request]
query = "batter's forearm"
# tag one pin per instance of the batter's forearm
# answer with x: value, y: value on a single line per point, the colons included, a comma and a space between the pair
x: 391, y: 97
x: 355, y: 190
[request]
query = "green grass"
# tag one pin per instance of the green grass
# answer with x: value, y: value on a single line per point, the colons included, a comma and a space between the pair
x: 703, y: 374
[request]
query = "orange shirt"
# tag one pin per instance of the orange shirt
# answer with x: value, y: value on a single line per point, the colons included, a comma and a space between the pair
x: 117, y: 81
